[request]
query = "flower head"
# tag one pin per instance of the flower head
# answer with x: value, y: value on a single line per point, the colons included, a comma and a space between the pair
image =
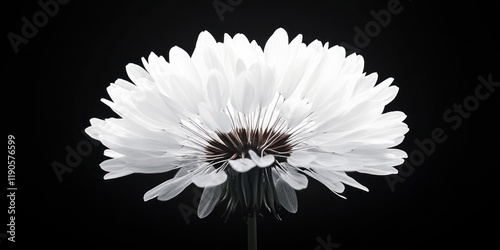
x: 248, y: 125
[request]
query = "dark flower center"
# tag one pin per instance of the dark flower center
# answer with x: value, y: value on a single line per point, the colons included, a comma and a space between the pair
x: 237, y: 143
x: 255, y: 187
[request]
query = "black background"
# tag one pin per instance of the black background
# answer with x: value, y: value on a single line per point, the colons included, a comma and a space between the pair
x: 434, y: 50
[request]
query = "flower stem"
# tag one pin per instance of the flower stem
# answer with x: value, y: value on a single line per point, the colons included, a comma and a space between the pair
x: 252, y: 231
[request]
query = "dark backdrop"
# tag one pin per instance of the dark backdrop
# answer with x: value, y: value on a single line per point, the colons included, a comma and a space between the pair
x: 435, y: 51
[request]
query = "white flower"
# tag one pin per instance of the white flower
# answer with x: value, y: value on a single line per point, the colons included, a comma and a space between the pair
x: 248, y: 125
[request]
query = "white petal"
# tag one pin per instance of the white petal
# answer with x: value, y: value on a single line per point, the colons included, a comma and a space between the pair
x: 213, y: 178
x: 113, y: 165
x: 292, y: 77
x: 366, y: 83
x: 294, y: 110
x: 112, y: 154
x: 372, y: 157
x: 125, y: 144
x: 95, y: 128
x: 137, y: 73
x: 117, y: 93
x: 262, y: 162
x: 119, y: 174
x: 338, y: 54
x: 152, y: 165
x: 353, y: 64
x: 209, y: 60
x: 349, y: 180
x: 153, y: 109
x: 264, y: 82
x: 157, y: 67
x: 240, y: 67
x: 378, y: 170
x: 186, y: 93
x: 348, y: 166
x: 214, y: 119
x: 125, y: 84
x: 371, y: 110
x: 242, y: 165
x: 183, y: 65
x: 276, y: 47
x: 286, y: 196
x: 397, y: 116
x: 205, y: 38
x: 212, y: 59
x: 204, y: 45
x: 325, y: 72
x: 399, y: 139
x: 295, y: 179
x: 330, y: 159
x: 209, y: 198
x: 181, y: 172
x: 169, y: 189
x: 245, y: 49
x: 327, y: 179
x: 229, y: 58
x: 301, y: 158
x: 217, y: 90
x: 397, y: 153
x: 243, y: 94
x: 384, y: 92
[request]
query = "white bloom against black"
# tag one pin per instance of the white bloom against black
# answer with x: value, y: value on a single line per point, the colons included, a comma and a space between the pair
x: 248, y: 125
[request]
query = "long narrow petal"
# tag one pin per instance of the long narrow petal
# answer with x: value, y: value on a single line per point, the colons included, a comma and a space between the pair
x: 209, y: 198
x: 287, y: 196
x: 169, y: 189
x: 291, y: 176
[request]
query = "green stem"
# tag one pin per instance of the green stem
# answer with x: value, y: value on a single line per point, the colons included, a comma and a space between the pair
x: 252, y: 231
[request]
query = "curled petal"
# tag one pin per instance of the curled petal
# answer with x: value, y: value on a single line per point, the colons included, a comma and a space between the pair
x: 262, y: 162
x: 213, y: 178
x: 242, y: 165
